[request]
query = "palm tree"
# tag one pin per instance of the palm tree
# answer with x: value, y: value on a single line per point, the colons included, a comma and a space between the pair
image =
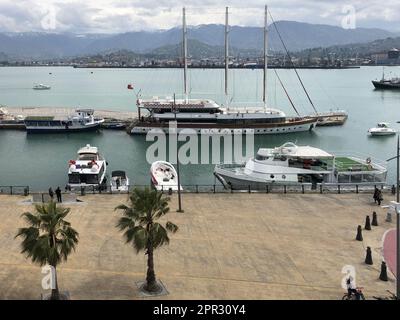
x: 48, y: 239
x: 141, y: 230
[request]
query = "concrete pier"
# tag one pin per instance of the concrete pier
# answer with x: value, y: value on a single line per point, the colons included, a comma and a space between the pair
x: 63, y: 112
x: 229, y: 246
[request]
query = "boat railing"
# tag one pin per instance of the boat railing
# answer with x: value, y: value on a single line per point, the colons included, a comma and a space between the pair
x: 362, y: 157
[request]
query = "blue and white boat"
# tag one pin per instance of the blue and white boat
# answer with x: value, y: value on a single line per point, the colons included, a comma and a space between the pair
x: 83, y: 120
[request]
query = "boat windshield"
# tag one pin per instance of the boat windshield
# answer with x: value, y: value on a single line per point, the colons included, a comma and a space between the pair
x: 87, y: 156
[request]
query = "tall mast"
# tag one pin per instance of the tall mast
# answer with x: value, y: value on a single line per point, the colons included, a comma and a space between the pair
x: 265, y: 57
x: 226, y: 56
x: 184, y: 54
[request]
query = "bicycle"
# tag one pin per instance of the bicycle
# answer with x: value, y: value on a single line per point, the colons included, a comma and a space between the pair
x: 353, y: 296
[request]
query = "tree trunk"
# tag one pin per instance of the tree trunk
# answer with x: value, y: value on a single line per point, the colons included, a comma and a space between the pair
x: 55, y: 294
x: 151, y: 283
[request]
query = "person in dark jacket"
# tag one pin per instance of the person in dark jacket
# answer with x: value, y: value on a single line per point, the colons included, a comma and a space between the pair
x: 58, y: 193
x: 51, y: 193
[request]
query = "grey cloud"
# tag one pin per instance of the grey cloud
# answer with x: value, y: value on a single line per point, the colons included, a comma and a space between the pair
x: 125, y: 15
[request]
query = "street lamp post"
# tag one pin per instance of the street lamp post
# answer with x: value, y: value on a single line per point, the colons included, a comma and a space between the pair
x: 177, y: 163
x: 397, y: 211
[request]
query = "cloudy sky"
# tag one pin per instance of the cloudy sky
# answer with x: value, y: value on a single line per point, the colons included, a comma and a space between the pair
x: 111, y: 16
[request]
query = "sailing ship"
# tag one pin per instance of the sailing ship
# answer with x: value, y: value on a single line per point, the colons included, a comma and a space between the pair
x: 205, y: 115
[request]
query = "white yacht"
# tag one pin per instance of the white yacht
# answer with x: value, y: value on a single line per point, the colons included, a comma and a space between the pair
x: 164, y: 176
x: 88, y: 170
x: 292, y: 164
x: 119, y: 181
x: 41, y: 86
x: 382, y: 129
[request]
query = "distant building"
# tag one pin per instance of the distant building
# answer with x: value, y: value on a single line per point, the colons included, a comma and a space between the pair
x: 392, y: 57
x: 394, y: 54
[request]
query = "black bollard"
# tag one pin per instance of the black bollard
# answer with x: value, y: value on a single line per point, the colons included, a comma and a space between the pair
x: 383, y: 276
x: 393, y: 189
x: 389, y: 217
x: 359, y: 236
x: 374, y: 219
x: 368, y: 257
x: 367, y: 223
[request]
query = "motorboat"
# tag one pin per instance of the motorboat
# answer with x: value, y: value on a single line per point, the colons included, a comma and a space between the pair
x: 119, y: 181
x: 41, y: 86
x: 292, y: 164
x: 82, y: 120
x: 164, y: 176
x: 88, y: 170
x: 382, y: 129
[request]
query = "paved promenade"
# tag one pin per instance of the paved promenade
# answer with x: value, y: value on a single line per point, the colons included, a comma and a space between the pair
x: 229, y: 246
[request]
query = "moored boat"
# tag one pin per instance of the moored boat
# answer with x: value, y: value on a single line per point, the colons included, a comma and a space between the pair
x: 88, y: 170
x: 83, y: 120
x: 164, y: 176
x: 290, y: 164
x: 119, y: 181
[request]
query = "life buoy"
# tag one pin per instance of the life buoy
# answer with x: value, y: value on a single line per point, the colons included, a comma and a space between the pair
x: 71, y: 162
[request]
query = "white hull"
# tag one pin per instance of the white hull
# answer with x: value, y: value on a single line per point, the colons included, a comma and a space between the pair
x: 259, y: 131
x: 164, y: 176
x: 386, y: 133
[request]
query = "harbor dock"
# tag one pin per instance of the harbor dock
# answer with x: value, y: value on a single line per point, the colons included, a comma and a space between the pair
x: 229, y: 246
x: 110, y: 116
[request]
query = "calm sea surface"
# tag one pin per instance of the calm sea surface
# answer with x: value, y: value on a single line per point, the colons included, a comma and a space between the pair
x: 40, y: 161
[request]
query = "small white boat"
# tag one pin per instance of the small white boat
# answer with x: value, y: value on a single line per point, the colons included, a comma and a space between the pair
x: 119, y: 181
x: 164, y: 176
x: 382, y: 129
x: 41, y: 87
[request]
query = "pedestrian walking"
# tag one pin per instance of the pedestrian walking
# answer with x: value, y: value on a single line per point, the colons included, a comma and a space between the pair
x: 58, y: 193
x: 51, y: 193
x: 380, y: 197
x: 376, y: 191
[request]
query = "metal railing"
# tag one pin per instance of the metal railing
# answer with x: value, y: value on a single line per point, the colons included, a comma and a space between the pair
x: 304, y: 188
x: 20, y: 190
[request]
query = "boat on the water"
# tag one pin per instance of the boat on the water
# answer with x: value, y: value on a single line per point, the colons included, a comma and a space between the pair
x: 382, y: 129
x: 290, y: 164
x: 119, y: 181
x: 332, y: 118
x: 82, y: 120
x: 206, y: 116
x: 393, y: 83
x: 41, y: 86
x: 164, y: 176
x: 88, y: 170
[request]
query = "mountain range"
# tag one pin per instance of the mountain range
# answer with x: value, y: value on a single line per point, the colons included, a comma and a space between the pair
x: 354, y: 49
x: 296, y: 35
